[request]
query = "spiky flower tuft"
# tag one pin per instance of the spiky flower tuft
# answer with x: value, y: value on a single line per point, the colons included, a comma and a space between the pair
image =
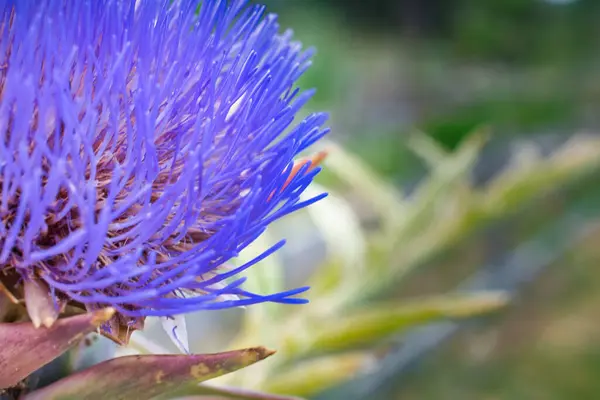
x: 142, y: 146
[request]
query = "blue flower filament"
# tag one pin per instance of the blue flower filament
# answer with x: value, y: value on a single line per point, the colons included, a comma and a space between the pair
x: 143, y: 146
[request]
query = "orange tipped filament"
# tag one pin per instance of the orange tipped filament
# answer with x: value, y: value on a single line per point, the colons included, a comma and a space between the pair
x: 314, y: 161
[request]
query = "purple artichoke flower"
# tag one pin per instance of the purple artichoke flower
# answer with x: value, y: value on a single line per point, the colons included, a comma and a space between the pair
x: 143, y: 145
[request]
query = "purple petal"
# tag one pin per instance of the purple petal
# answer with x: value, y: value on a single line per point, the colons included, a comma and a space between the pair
x: 148, y: 375
x: 26, y: 348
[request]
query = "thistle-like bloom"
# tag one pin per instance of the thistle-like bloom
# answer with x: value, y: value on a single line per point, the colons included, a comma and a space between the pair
x: 142, y: 146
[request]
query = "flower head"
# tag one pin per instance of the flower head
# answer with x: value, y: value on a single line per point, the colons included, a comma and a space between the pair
x: 143, y: 145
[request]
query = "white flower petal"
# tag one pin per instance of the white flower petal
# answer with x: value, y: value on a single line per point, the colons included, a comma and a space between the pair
x: 176, y: 330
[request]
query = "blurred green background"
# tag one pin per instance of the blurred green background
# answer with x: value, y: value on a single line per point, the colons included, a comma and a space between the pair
x: 527, y: 70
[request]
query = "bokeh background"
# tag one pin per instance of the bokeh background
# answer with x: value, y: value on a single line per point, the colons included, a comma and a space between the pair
x: 464, y: 158
x: 527, y: 69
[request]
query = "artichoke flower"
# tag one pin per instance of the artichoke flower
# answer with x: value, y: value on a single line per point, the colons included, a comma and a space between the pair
x: 143, y: 145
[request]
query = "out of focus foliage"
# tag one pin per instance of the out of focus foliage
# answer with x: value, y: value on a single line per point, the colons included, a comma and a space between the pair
x: 529, y: 70
x: 517, y: 31
x: 523, y: 66
x: 349, y: 319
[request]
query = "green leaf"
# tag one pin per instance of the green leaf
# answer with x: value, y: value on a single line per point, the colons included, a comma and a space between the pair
x: 448, y: 176
x: 518, y: 184
x: 427, y: 149
x: 26, y: 348
x: 449, y: 213
x: 382, y: 196
x: 382, y: 320
x: 206, y: 392
x: 151, y: 375
x: 312, y: 376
